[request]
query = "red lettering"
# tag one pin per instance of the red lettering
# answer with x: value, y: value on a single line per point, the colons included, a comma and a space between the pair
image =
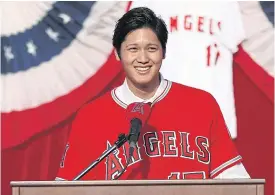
x: 185, y: 147
x: 187, y: 22
x: 151, y: 144
x: 208, y: 52
x: 211, y: 27
x: 187, y: 175
x: 194, y: 175
x: 204, y: 155
x: 212, y: 50
x: 174, y: 176
x: 200, y: 23
x: 173, y: 23
x: 217, y: 54
x: 113, y: 163
x: 169, y: 143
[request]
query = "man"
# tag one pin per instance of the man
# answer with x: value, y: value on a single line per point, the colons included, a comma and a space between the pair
x: 185, y: 136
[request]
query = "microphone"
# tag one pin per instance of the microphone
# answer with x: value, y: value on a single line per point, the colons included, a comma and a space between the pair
x: 137, y: 113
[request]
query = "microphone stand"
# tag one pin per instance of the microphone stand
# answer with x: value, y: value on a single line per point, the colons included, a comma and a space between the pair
x: 121, y: 140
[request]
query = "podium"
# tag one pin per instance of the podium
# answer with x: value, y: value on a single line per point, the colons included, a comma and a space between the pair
x: 141, y: 187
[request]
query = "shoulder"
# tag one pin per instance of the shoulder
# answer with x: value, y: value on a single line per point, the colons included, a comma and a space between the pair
x: 192, y: 100
x: 95, y: 107
x: 191, y: 93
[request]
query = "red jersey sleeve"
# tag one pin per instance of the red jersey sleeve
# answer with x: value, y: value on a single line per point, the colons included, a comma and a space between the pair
x: 223, y: 151
x: 80, y: 150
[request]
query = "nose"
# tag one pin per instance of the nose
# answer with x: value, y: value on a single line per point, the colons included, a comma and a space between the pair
x: 142, y: 57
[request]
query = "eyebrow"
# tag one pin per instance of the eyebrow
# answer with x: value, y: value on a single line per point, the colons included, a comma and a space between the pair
x: 135, y: 44
x: 131, y: 44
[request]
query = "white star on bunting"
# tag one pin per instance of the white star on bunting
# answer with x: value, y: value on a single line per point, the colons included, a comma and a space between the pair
x: 66, y: 18
x: 31, y: 47
x: 8, y: 53
x: 53, y: 35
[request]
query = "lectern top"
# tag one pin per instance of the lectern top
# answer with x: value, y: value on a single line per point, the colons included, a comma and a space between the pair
x: 139, y: 182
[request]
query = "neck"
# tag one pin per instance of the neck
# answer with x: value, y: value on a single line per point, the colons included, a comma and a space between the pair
x: 144, y: 91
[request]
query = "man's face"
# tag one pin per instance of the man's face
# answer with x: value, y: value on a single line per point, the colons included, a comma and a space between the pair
x: 141, y: 56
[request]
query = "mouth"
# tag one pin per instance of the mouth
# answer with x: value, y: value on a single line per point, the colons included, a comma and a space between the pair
x: 142, y: 70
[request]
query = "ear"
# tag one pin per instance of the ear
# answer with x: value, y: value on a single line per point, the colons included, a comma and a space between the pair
x: 117, y: 56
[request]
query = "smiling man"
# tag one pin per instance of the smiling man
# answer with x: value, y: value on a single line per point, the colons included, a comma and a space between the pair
x: 185, y: 136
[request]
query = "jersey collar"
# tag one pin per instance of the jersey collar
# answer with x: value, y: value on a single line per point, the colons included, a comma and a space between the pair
x: 123, y: 96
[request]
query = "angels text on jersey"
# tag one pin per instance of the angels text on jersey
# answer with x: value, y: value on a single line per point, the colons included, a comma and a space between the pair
x: 167, y: 147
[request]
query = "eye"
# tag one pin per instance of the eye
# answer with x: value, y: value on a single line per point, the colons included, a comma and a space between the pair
x: 133, y: 49
x: 152, y: 49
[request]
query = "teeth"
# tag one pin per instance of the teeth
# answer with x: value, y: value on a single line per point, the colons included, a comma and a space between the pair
x: 142, y: 68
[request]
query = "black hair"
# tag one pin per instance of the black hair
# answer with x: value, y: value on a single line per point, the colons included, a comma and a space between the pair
x: 136, y: 18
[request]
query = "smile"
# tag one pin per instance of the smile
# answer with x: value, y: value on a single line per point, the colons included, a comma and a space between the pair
x: 143, y: 69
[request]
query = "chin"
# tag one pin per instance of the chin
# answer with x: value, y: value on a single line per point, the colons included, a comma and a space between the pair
x: 143, y: 81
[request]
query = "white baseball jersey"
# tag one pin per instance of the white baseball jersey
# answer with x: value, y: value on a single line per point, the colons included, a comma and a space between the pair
x: 203, y: 36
